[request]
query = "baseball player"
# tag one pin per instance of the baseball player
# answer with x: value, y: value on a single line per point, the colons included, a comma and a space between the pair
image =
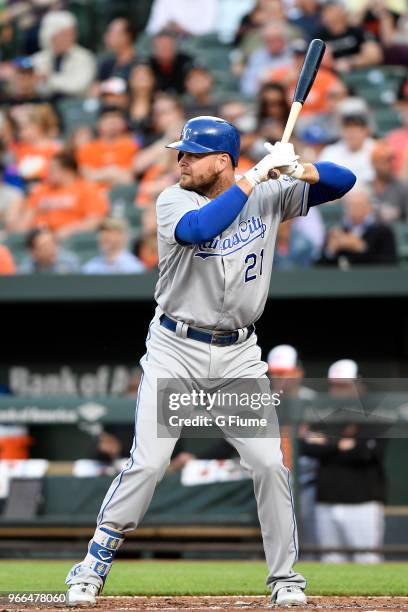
x: 216, y: 236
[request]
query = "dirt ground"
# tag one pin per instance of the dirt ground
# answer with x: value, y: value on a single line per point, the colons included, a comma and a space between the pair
x: 226, y: 604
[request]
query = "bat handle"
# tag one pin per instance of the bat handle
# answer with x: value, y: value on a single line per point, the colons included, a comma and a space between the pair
x: 291, y: 122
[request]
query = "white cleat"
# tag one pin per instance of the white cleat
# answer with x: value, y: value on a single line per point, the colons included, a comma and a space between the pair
x: 290, y: 596
x: 82, y: 595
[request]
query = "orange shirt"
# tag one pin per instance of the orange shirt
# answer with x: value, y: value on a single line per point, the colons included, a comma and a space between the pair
x: 59, y: 207
x: 7, y: 265
x: 143, y: 198
x: 244, y: 165
x: 398, y: 139
x: 33, y: 159
x: 99, y: 154
x: 317, y: 98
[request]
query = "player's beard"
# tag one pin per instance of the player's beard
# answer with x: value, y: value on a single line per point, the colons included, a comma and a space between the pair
x: 205, y: 183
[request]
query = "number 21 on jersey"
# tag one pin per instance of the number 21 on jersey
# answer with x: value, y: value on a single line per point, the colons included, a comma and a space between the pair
x: 254, y: 265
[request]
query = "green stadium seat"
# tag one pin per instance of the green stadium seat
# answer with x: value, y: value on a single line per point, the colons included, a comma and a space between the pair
x: 332, y: 214
x: 122, y: 200
x: 84, y: 245
x: 401, y: 235
x: 16, y: 244
x: 76, y: 113
x: 386, y: 120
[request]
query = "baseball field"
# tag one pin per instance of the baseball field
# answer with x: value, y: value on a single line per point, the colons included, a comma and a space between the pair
x: 215, y: 585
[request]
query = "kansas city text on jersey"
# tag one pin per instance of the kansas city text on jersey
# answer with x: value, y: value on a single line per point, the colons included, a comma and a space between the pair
x: 247, y: 232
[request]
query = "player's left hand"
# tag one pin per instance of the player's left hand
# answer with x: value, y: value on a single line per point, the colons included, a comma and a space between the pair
x: 286, y: 159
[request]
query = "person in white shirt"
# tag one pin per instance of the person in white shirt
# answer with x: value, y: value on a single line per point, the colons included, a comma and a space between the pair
x: 355, y: 145
x: 63, y: 68
x: 114, y: 257
x: 184, y: 16
x: 275, y: 53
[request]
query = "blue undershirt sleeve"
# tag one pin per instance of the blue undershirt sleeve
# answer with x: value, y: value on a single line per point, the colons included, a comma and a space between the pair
x: 334, y: 182
x: 206, y: 223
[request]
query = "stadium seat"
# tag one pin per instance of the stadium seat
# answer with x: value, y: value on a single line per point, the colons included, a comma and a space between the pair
x: 16, y: 244
x: 401, y: 235
x: 386, y: 120
x: 84, y: 245
x: 75, y: 113
x: 332, y: 214
x: 122, y: 200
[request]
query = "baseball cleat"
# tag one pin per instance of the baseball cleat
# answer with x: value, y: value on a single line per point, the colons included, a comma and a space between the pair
x: 82, y: 595
x: 290, y: 596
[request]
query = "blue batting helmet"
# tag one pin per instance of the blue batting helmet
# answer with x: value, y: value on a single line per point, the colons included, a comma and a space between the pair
x: 209, y: 135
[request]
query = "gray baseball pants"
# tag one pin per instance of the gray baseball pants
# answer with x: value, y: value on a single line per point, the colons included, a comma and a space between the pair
x: 129, y: 496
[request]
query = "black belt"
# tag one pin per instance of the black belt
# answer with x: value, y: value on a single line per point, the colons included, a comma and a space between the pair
x: 218, y: 338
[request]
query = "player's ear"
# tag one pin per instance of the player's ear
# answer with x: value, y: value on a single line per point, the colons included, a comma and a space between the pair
x: 223, y: 161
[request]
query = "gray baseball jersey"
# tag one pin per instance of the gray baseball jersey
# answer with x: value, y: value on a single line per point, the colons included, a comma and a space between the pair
x: 223, y: 284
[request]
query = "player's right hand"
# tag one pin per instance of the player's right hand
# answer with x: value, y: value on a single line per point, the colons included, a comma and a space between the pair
x: 281, y: 156
x: 286, y: 158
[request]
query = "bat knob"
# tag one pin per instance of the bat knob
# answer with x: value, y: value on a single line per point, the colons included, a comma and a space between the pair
x: 274, y: 174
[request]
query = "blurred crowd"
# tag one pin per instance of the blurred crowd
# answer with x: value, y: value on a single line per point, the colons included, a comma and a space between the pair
x: 84, y: 121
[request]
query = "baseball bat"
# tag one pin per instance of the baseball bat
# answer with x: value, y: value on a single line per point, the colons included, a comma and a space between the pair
x: 307, y: 75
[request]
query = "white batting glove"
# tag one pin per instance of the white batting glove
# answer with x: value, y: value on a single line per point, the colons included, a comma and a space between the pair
x: 260, y: 172
x: 281, y: 156
x: 286, y: 159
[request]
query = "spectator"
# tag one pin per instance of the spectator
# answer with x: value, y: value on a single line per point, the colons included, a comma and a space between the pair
x: 311, y: 228
x: 275, y: 53
x: 109, y: 158
x: 250, y: 34
x: 293, y: 249
x: 252, y: 22
x: 398, y: 139
x: 119, y: 41
x: 239, y: 114
x: 11, y: 203
x: 351, y: 47
x: 272, y: 104
x: 305, y: 15
x: 199, y: 98
x: 142, y: 85
x: 289, y: 74
x: 183, y: 17
x: 169, y: 65
x: 361, y: 239
x: 65, y: 202
x: 285, y: 368
x: 351, y: 513
x: 36, y: 144
x: 7, y: 265
x: 46, y: 256
x: 114, y: 93
x: 157, y: 177
x: 389, y: 195
x: 81, y: 136
x: 63, y: 67
x: 230, y: 13
x: 22, y: 84
x: 355, y: 146
x: 114, y: 257
x: 271, y: 114
x: 167, y: 123
x: 324, y: 128
x: 146, y: 250
x: 383, y: 20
